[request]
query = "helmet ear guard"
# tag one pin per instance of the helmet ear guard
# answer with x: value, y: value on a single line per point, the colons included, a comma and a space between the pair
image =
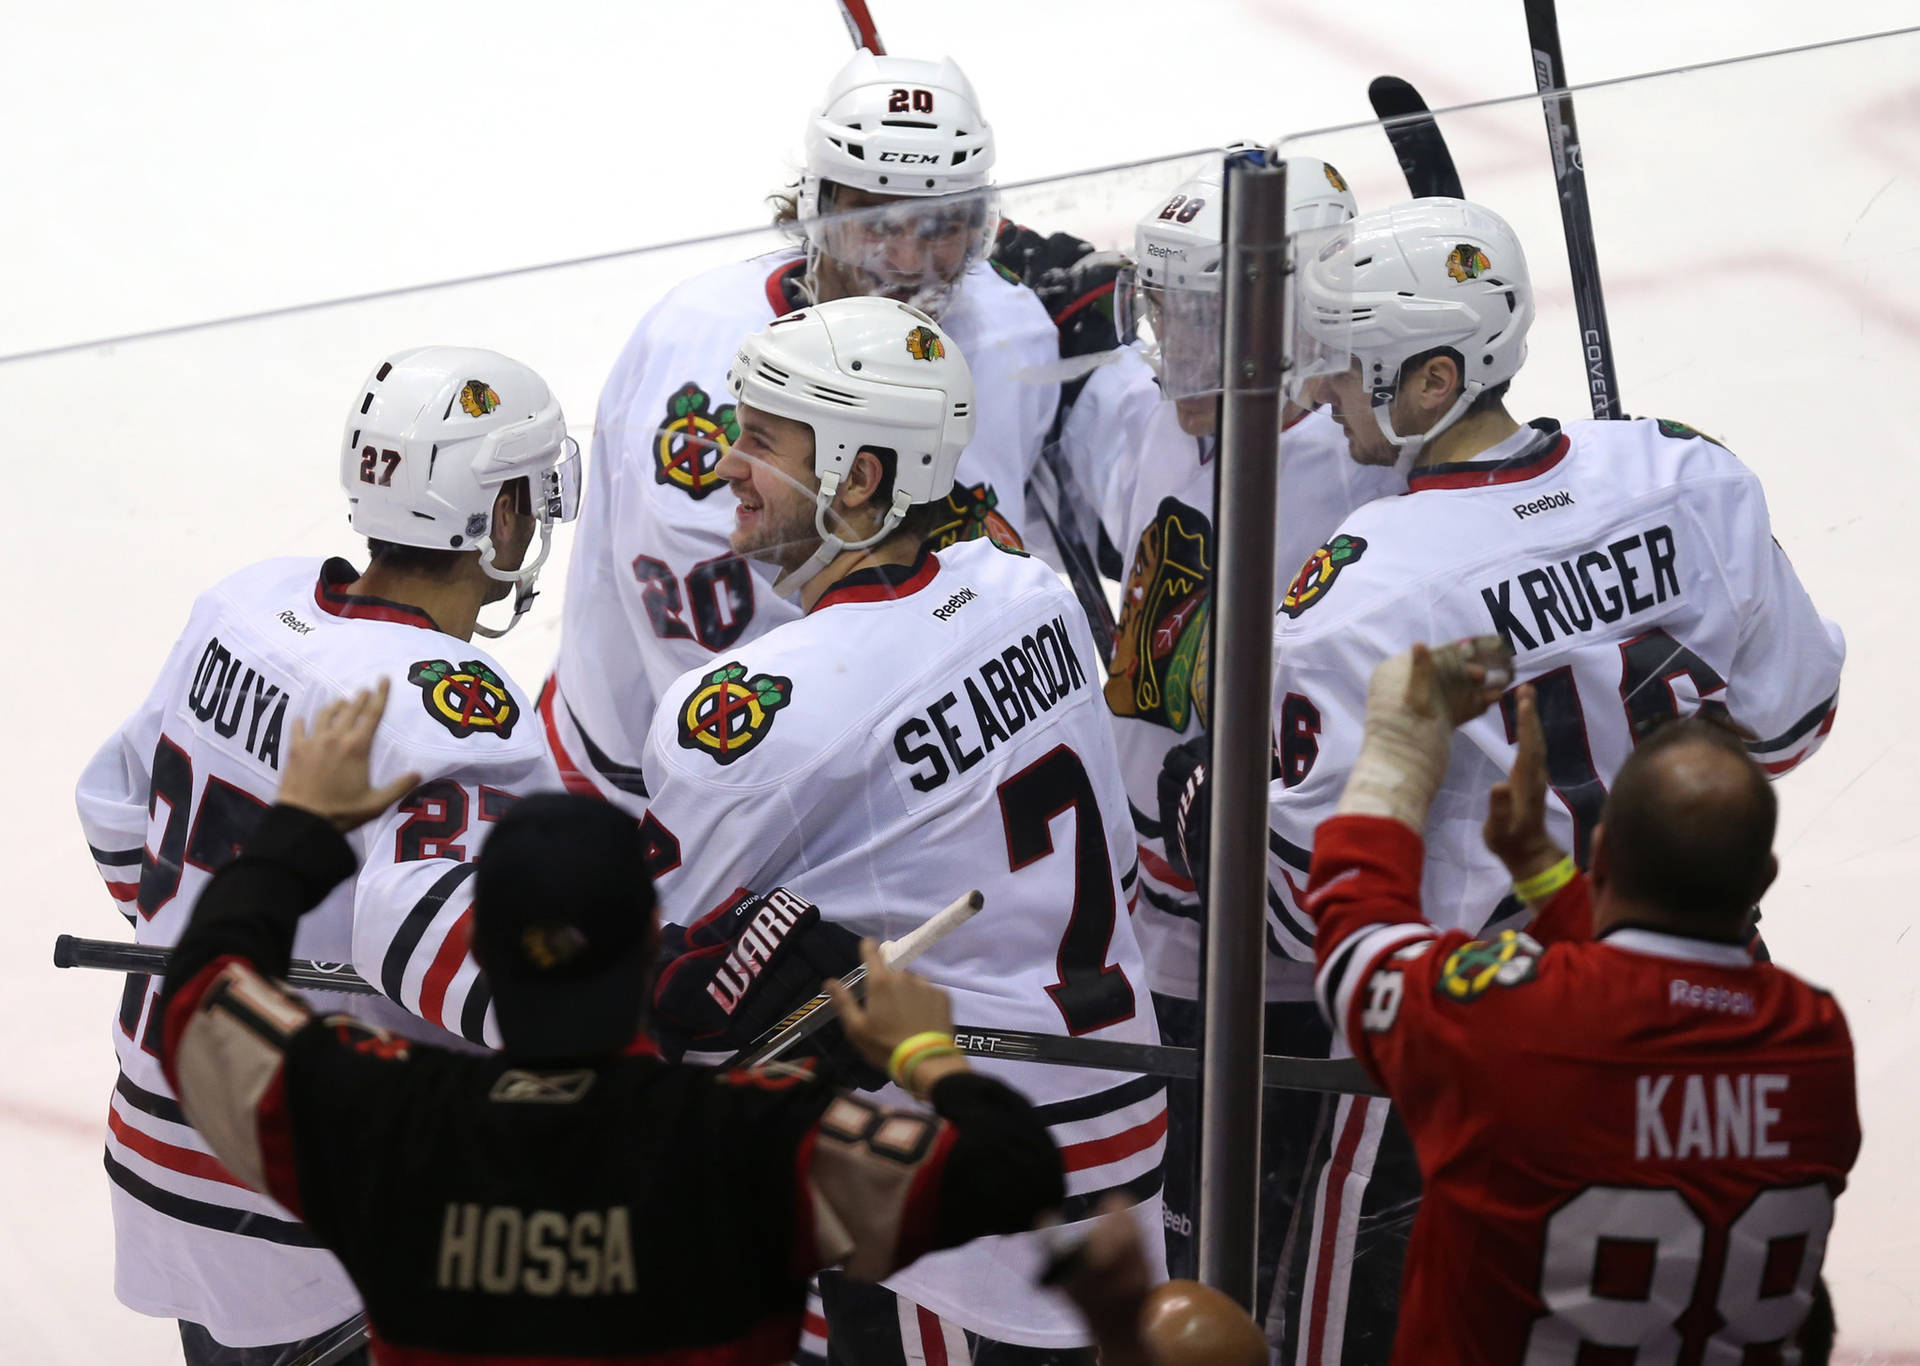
x: 861, y: 372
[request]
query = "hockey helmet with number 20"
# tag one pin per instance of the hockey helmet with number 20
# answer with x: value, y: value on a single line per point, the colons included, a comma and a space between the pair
x: 862, y: 372
x: 433, y: 436
x: 903, y: 129
x: 1426, y: 274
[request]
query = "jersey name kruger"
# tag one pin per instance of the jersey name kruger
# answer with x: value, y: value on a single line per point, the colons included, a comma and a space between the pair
x: 1586, y: 592
x: 1004, y: 693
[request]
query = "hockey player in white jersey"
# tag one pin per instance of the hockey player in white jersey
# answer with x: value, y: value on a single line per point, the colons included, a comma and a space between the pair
x: 1630, y: 567
x: 895, y: 201
x: 457, y: 465
x: 931, y: 725
x: 1154, y: 412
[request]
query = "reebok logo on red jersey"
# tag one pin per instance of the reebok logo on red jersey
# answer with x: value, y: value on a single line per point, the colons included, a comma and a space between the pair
x: 1684, y: 993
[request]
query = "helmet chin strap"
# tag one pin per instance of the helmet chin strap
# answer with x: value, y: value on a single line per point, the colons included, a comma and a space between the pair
x: 791, y: 581
x: 522, y: 580
x: 1409, y: 447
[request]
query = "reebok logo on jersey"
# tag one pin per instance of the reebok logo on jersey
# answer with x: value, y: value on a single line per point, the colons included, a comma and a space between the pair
x: 729, y: 713
x: 293, y: 623
x: 1552, y: 502
x: 945, y: 611
x: 1684, y: 993
x: 1584, y: 592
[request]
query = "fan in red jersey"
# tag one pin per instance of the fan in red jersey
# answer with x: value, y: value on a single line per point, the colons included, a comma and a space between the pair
x: 1631, y: 1133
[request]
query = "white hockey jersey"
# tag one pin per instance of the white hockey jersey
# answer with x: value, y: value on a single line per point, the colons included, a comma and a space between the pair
x: 1631, y: 568
x: 1157, y: 679
x: 653, y: 590
x: 922, y: 732
x: 171, y: 796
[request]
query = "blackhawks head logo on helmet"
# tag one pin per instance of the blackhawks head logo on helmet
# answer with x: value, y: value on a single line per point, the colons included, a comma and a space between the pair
x: 1467, y: 262
x: 923, y: 343
x: 477, y: 398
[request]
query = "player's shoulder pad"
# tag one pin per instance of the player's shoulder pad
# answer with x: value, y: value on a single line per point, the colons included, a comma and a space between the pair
x: 749, y: 715
x: 1371, y: 557
x: 451, y: 694
x: 285, y: 578
x: 1510, y: 959
x: 722, y: 293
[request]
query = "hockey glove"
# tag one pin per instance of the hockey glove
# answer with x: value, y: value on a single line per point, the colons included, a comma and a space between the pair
x: 733, y: 975
x: 1184, y: 797
x: 1074, y: 283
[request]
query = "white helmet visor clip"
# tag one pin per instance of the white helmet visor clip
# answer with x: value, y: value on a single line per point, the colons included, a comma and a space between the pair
x: 555, y: 496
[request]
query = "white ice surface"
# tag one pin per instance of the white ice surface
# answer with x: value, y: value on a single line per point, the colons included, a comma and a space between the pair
x: 169, y: 164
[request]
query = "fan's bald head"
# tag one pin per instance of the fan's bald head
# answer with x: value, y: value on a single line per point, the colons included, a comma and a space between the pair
x: 1689, y: 827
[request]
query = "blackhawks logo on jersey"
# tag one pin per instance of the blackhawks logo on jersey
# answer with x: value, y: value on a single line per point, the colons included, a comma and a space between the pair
x: 690, y: 442
x: 729, y: 713
x: 477, y: 398
x: 1467, y: 262
x: 969, y: 513
x: 468, y: 699
x: 1316, y: 576
x: 1160, y: 648
x: 1475, y: 967
x: 1680, y: 431
x: 923, y: 343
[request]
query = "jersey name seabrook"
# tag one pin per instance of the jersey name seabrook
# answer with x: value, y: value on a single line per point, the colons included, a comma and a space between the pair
x: 996, y: 699
x: 1585, y: 591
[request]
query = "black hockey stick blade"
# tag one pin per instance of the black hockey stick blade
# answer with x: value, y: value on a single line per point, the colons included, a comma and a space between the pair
x: 1424, y: 158
x: 1576, y: 214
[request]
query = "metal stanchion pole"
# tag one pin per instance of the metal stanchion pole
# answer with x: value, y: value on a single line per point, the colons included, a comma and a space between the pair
x: 1240, y: 705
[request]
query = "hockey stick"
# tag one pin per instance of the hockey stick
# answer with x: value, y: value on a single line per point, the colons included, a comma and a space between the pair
x: 860, y: 26
x: 1013, y: 1045
x: 898, y: 953
x: 1051, y: 475
x: 1416, y: 138
x: 1576, y: 215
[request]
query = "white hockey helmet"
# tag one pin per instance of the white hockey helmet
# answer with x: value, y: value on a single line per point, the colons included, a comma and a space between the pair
x: 862, y: 372
x: 1174, y: 286
x: 1422, y: 275
x: 903, y: 128
x: 433, y: 436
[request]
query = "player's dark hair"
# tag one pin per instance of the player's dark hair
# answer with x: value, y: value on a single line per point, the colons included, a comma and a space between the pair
x: 1485, y: 401
x: 922, y: 519
x: 1691, y: 837
x: 432, y: 562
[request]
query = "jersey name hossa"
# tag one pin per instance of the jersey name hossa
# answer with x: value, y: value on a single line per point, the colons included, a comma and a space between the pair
x: 1157, y: 684
x: 652, y: 588
x: 1632, y: 569
x: 1629, y: 1143
x: 922, y: 732
x: 168, y: 800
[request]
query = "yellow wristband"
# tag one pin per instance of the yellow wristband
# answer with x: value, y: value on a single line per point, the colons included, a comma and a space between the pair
x: 1541, y: 886
x: 925, y: 1055
x: 913, y: 1044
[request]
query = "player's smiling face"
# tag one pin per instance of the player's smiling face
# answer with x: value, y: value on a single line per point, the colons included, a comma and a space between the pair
x: 770, y: 470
